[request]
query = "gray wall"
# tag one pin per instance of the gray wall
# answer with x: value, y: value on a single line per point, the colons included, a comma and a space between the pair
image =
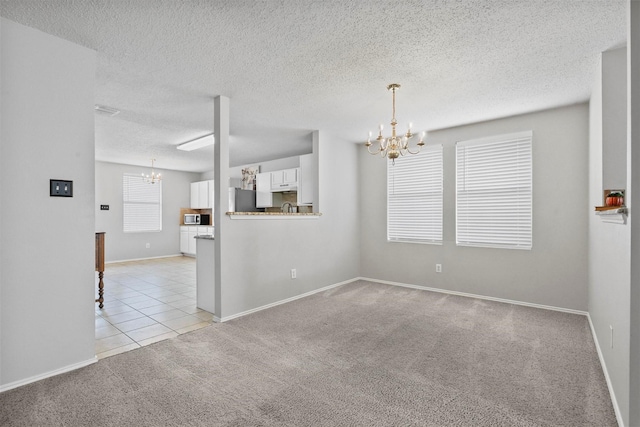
x: 633, y: 174
x: 125, y: 246
x: 553, y: 273
x: 47, y: 246
x: 609, y: 250
x: 259, y: 254
x: 614, y: 129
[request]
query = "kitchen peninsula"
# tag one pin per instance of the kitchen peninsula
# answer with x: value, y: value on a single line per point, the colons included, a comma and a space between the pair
x: 205, y: 272
x: 274, y: 215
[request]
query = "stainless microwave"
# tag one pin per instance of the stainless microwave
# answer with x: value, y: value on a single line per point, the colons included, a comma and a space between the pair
x: 191, y: 219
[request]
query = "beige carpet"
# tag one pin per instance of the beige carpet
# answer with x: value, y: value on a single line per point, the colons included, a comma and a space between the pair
x: 362, y: 354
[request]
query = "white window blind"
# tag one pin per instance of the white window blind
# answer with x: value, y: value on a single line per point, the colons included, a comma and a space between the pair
x: 494, y: 191
x: 414, y: 197
x: 142, y: 204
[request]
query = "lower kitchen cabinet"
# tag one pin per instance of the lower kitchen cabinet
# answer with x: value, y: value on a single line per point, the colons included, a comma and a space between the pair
x: 184, y: 239
x: 188, y: 234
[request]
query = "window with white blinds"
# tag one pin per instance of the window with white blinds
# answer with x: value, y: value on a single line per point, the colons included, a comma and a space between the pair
x: 494, y: 191
x: 142, y: 204
x: 414, y: 197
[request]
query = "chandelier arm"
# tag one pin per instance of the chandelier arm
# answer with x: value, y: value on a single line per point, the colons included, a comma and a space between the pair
x: 373, y: 152
x: 411, y: 152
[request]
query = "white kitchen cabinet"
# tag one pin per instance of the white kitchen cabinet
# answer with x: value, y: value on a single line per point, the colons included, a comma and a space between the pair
x: 264, y: 198
x: 188, y: 234
x: 187, y: 239
x: 284, y: 180
x: 306, y: 181
x: 212, y: 193
x: 193, y: 232
x: 184, y: 239
x: 195, y: 196
x: 202, y: 194
x: 290, y: 176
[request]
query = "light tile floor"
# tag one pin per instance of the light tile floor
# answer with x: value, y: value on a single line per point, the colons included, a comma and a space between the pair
x: 145, y: 302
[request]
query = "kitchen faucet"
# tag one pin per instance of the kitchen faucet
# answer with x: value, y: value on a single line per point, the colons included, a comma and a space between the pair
x: 289, y: 207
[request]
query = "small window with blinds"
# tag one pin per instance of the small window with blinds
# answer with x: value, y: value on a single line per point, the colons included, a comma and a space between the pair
x: 414, y: 197
x: 494, y: 191
x: 142, y: 204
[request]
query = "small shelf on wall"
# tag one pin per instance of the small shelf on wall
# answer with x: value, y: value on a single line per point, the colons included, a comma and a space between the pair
x: 616, y: 216
x: 613, y: 214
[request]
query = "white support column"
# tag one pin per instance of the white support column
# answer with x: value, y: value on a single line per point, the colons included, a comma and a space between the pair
x: 315, y: 150
x: 221, y: 202
x: 633, y: 199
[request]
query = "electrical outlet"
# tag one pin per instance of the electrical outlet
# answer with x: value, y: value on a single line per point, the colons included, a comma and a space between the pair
x: 438, y: 268
x: 60, y: 188
x: 148, y: 245
x: 293, y: 273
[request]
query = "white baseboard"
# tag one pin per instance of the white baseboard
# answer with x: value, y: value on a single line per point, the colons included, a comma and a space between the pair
x: 53, y: 373
x: 404, y: 285
x: 142, y: 259
x: 614, y: 401
x: 464, y: 294
x: 284, y: 301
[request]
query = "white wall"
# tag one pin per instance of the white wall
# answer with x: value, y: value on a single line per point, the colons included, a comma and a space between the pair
x: 259, y: 254
x: 609, y: 253
x: 47, y: 247
x: 125, y: 246
x: 553, y: 273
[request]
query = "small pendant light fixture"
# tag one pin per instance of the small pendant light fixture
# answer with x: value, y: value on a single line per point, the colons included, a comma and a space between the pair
x: 153, y: 178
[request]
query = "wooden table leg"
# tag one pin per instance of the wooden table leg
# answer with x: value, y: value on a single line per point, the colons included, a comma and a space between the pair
x: 100, y: 290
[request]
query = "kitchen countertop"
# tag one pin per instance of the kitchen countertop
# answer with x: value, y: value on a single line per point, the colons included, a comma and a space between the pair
x: 274, y: 214
x: 204, y: 236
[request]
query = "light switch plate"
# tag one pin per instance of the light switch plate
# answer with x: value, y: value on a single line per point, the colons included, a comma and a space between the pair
x: 60, y: 188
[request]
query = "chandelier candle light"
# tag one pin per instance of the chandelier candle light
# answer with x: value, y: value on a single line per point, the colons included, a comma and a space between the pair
x: 153, y: 178
x: 394, y: 146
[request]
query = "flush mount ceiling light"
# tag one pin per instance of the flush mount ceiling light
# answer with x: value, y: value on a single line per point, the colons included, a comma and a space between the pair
x: 394, y: 146
x: 105, y: 110
x: 203, y: 141
x: 153, y: 178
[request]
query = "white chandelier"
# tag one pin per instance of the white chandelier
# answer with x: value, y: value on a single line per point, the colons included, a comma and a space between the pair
x: 153, y: 178
x: 394, y: 146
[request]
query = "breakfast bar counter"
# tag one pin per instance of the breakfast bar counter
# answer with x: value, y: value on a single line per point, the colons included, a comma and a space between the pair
x: 274, y: 215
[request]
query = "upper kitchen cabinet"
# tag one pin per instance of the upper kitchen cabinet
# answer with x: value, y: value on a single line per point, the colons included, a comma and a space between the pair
x: 202, y: 194
x: 284, y: 180
x: 264, y: 197
x: 306, y: 181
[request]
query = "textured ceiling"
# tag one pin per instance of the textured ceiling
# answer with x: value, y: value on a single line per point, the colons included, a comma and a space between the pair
x: 293, y: 66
